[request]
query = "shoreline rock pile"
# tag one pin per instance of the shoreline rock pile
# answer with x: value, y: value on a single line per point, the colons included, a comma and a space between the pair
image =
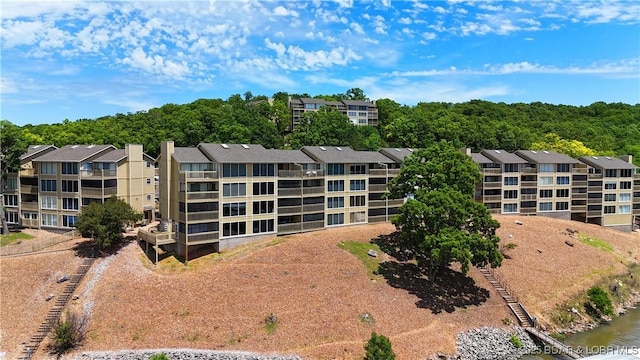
x: 180, y: 354
x: 488, y: 343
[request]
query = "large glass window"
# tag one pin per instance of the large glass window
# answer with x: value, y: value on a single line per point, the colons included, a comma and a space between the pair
x: 624, y: 209
x: 49, y: 220
x: 546, y: 194
x: 262, y: 226
x: 234, y: 170
x: 610, y: 173
x: 335, y: 202
x: 357, y: 185
x: 263, y: 207
x: 511, y: 168
x: 234, y: 189
x: 562, y: 180
x: 546, y: 180
x: 70, y: 168
x: 335, y: 169
x: 335, y: 219
x: 48, y: 185
x: 545, y: 167
x: 610, y: 185
x: 335, y: 185
x: 69, y: 185
x: 545, y: 206
x: 624, y: 197
x: 234, y: 229
x: 562, y: 205
x: 510, y: 194
x: 511, y: 180
x: 562, y: 168
x: 357, y: 169
x: 49, y: 202
x: 509, y: 208
x: 562, y: 193
x: 609, y: 197
x: 625, y: 185
x: 48, y: 168
x: 70, y: 203
x: 609, y: 209
x: 11, y: 200
x: 69, y: 220
x: 358, y: 200
x: 263, y: 169
x: 203, y: 228
x: 263, y: 188
x: 234, y: 209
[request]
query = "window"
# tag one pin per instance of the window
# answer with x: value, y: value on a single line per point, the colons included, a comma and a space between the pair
x: 29, y: 215
x: 234, y: 229
x: 357, y: 185
x: 69, y: 220
x: 357, y: 217
x: 546, y: 180
x: 357, y: 169
x: 511, y: 180
x: 11, y: 200
x: 509, y: 208
x: 545, y: 206
x: 335, y: 219
x: 49, y: 202
x: 70, y: 168
x: 70, y: 203
x: 203, y: 228
x: 562, y: 205
x: 148, y: 164
x: 148, y: 181
x: 609, y: 209
x: 263, y: 207
x: 352, y: 114
x: 610, y: 173
x: 609, y: 197
x: 234, y: 209
x: 263, y: 188
x: 546, y: 194
x: 47, y: 185
x: 11, y: 184
x: 358, y: 200
x: 562, y: 193
x: 335, y: 169
x: 335, y: 185
x: 262, y: 226
x: 47, y: 168
x: 234, y: 170
x: 148, y: 197
x: 562, y: 180
x: 626, y: 172
x: 624, y: 209
x: 263, y: 170
x: 545, y: 168
x: 69, y: 186
x: 12, y: 217
x: 234, y: 189
x: 196, y: 167
x: 562, y: 168
x: 49, y: 220
x: 625, y: 185
x: 610, y: 185
x: 511, y: 168
x: 510, y: 194
x: 335, y: 202
x: 624, y: 197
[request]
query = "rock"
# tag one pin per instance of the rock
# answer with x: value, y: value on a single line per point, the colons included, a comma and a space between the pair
x: 540, y: 251
x: 49, y: 297
x: 63, y: 279
x: 75, y: 297
x: 518, y: 222
x: 372, y: 253
x: 569, y: 243
x: 493, y: 343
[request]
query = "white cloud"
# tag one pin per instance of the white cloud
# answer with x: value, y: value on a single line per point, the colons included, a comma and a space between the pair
x: 357, y: 28
x: 156, y: 64
x: 282, y: 11
x: 379, y: 25
x: 7, y: 86
x: 405, y: 21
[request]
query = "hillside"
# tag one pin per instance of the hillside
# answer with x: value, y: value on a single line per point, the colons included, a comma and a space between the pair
x: 317, y: 291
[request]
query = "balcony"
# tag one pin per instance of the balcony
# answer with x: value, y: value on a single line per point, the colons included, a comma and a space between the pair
x: 529, y: 170
x: 594, y: 188
x: 29, y: 206
x: 92, y: 192
x: 578, y: 170
x: 579, y: 184
x: 491, y: 171
x: 396, y: 202
x: 30, y: 223
x: 313, y: 190
x: 378, y: 188
x: 300, y: 173
x: 290, y: 192
x: 488, y: 198
x: 492, y: 185
x: 595, y: 176
x: 377, y: 218
x: 528, y: 197
x: 528, y: 210
x: 578, y: 208
x: 594, y: 201
x: 198, y: 175
x: 579, y: 196
x: 528, y: 184
x: 203, y: 238
x: 209, y: 195
x: 377, y: 203
x: 378, y: 172
x: 98, y: 173
x: 199, y: 216
x: 597, y: 213
x: 289, y: 228
x: 29, y: 189
x: 27, y: 172
x: 289, y: 210
x: 312, y: 225
x: 313, y: 208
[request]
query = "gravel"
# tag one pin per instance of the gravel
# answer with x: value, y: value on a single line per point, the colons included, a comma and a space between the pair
x: 488, y: 343
x: 180, y: 354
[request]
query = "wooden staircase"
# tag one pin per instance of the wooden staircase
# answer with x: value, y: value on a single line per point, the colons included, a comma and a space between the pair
x: 524, y: 319
x: 56, y: 311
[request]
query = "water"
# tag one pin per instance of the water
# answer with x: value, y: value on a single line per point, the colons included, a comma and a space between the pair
x: 623, y: 331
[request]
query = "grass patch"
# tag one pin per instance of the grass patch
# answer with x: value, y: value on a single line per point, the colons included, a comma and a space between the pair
x: 270, y: 324
x: 13, y: 238
x: 595, y: 242
x: 367, y: 318
x: 360, y: 250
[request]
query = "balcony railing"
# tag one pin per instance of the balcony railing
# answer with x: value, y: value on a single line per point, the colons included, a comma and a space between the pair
x: 313, y: 225
x: 377, y: 203
x: 99, y: 192
x: 529, y: 170
x: 290, y: 192
x: 528, y: 197
x: 528, y: 210
x: 313, y: 208
x: 396, y: 202
x: 203, y: 238
x: 595, y: 176
x: 377, y: 218
x: 378, y: 188
x: 492, y: 197
x: 528, y: 183
x: 580, y: 170
x: 579, y: 196
x: 209, y: 195
x: 28, y: 189
x: 289, y: 228
x: 31, y: 206
x: 27, y: 172
x: 597, y: 213
x: 30, y: 223
x: 199, y: 175
x: 313, y: 190
x: 594, y: 201
x: 492, y: 184
x: 580, y: 184
x: 289, y: 210
x: 300, y: 173
x: 98, y: 173
x: 492, y: 171
x: 200, y: 216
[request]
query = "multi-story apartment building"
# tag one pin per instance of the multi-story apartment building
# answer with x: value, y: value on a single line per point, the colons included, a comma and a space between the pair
x: 600, y: 190
x: 54, y: 183
x: 359, y: 112
x: 222, y: 195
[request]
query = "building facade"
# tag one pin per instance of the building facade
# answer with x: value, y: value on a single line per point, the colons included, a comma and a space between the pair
x: 53, y: 184
x: 360, y: 113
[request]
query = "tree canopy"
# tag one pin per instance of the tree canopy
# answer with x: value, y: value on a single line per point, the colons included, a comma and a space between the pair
x: 104, y: 222
x: 441, y: 223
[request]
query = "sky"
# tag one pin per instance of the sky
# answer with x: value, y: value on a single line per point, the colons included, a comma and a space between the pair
x: 86, y: 59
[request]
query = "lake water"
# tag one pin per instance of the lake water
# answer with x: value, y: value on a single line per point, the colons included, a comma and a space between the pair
x: 622, y: 333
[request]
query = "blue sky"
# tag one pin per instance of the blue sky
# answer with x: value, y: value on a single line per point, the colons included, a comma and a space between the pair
x: 78, y: 59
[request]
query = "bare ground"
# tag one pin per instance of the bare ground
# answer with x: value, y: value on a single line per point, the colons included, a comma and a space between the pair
x: 317, y: 291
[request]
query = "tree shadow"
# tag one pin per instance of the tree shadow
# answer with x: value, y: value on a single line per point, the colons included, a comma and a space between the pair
x: 450, y: 290
x: 89, y: 249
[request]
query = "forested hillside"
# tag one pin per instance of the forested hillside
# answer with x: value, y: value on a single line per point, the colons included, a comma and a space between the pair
x: 600, y: 128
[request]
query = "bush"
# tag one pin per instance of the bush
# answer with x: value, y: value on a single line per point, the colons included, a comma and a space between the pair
x: 515, y: 341
x: 69, y: 333
x: 379, y: 348
x: 270, y: 324
x: 601, y: 300
x: 161, y: 356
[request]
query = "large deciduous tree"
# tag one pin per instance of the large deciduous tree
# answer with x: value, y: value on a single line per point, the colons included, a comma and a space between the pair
x: 441, y: 223
x: 104, y: 222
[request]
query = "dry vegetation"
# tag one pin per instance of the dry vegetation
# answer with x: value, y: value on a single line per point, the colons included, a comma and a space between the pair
x: 317, y: 291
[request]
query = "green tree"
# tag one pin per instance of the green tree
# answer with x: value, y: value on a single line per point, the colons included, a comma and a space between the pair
x: 104, y: 222
x: 327, y: 127
x: 554, y: 142
x: 68, y: 333
x: 600, y: 300
x: 379, y: 348
x: 441, y: 223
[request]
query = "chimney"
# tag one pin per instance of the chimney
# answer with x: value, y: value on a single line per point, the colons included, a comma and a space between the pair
x: 627, y: 158
x: 166, y: 150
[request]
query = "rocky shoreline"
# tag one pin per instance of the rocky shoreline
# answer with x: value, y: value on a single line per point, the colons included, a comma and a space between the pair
x: 180, y: 354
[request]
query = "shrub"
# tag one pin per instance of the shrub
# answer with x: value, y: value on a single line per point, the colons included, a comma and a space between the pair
x: 270, y: 324
x: 367, y: 318
x: 515, y: 341
x: 379, y: 348
x: 601, y: 300
x: 69, y: 333
x: 506, y: 321
x: 161, y: 356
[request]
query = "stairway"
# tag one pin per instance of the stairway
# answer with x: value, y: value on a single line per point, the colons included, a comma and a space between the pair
x: 56, y: 311
x: 512, y: 301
